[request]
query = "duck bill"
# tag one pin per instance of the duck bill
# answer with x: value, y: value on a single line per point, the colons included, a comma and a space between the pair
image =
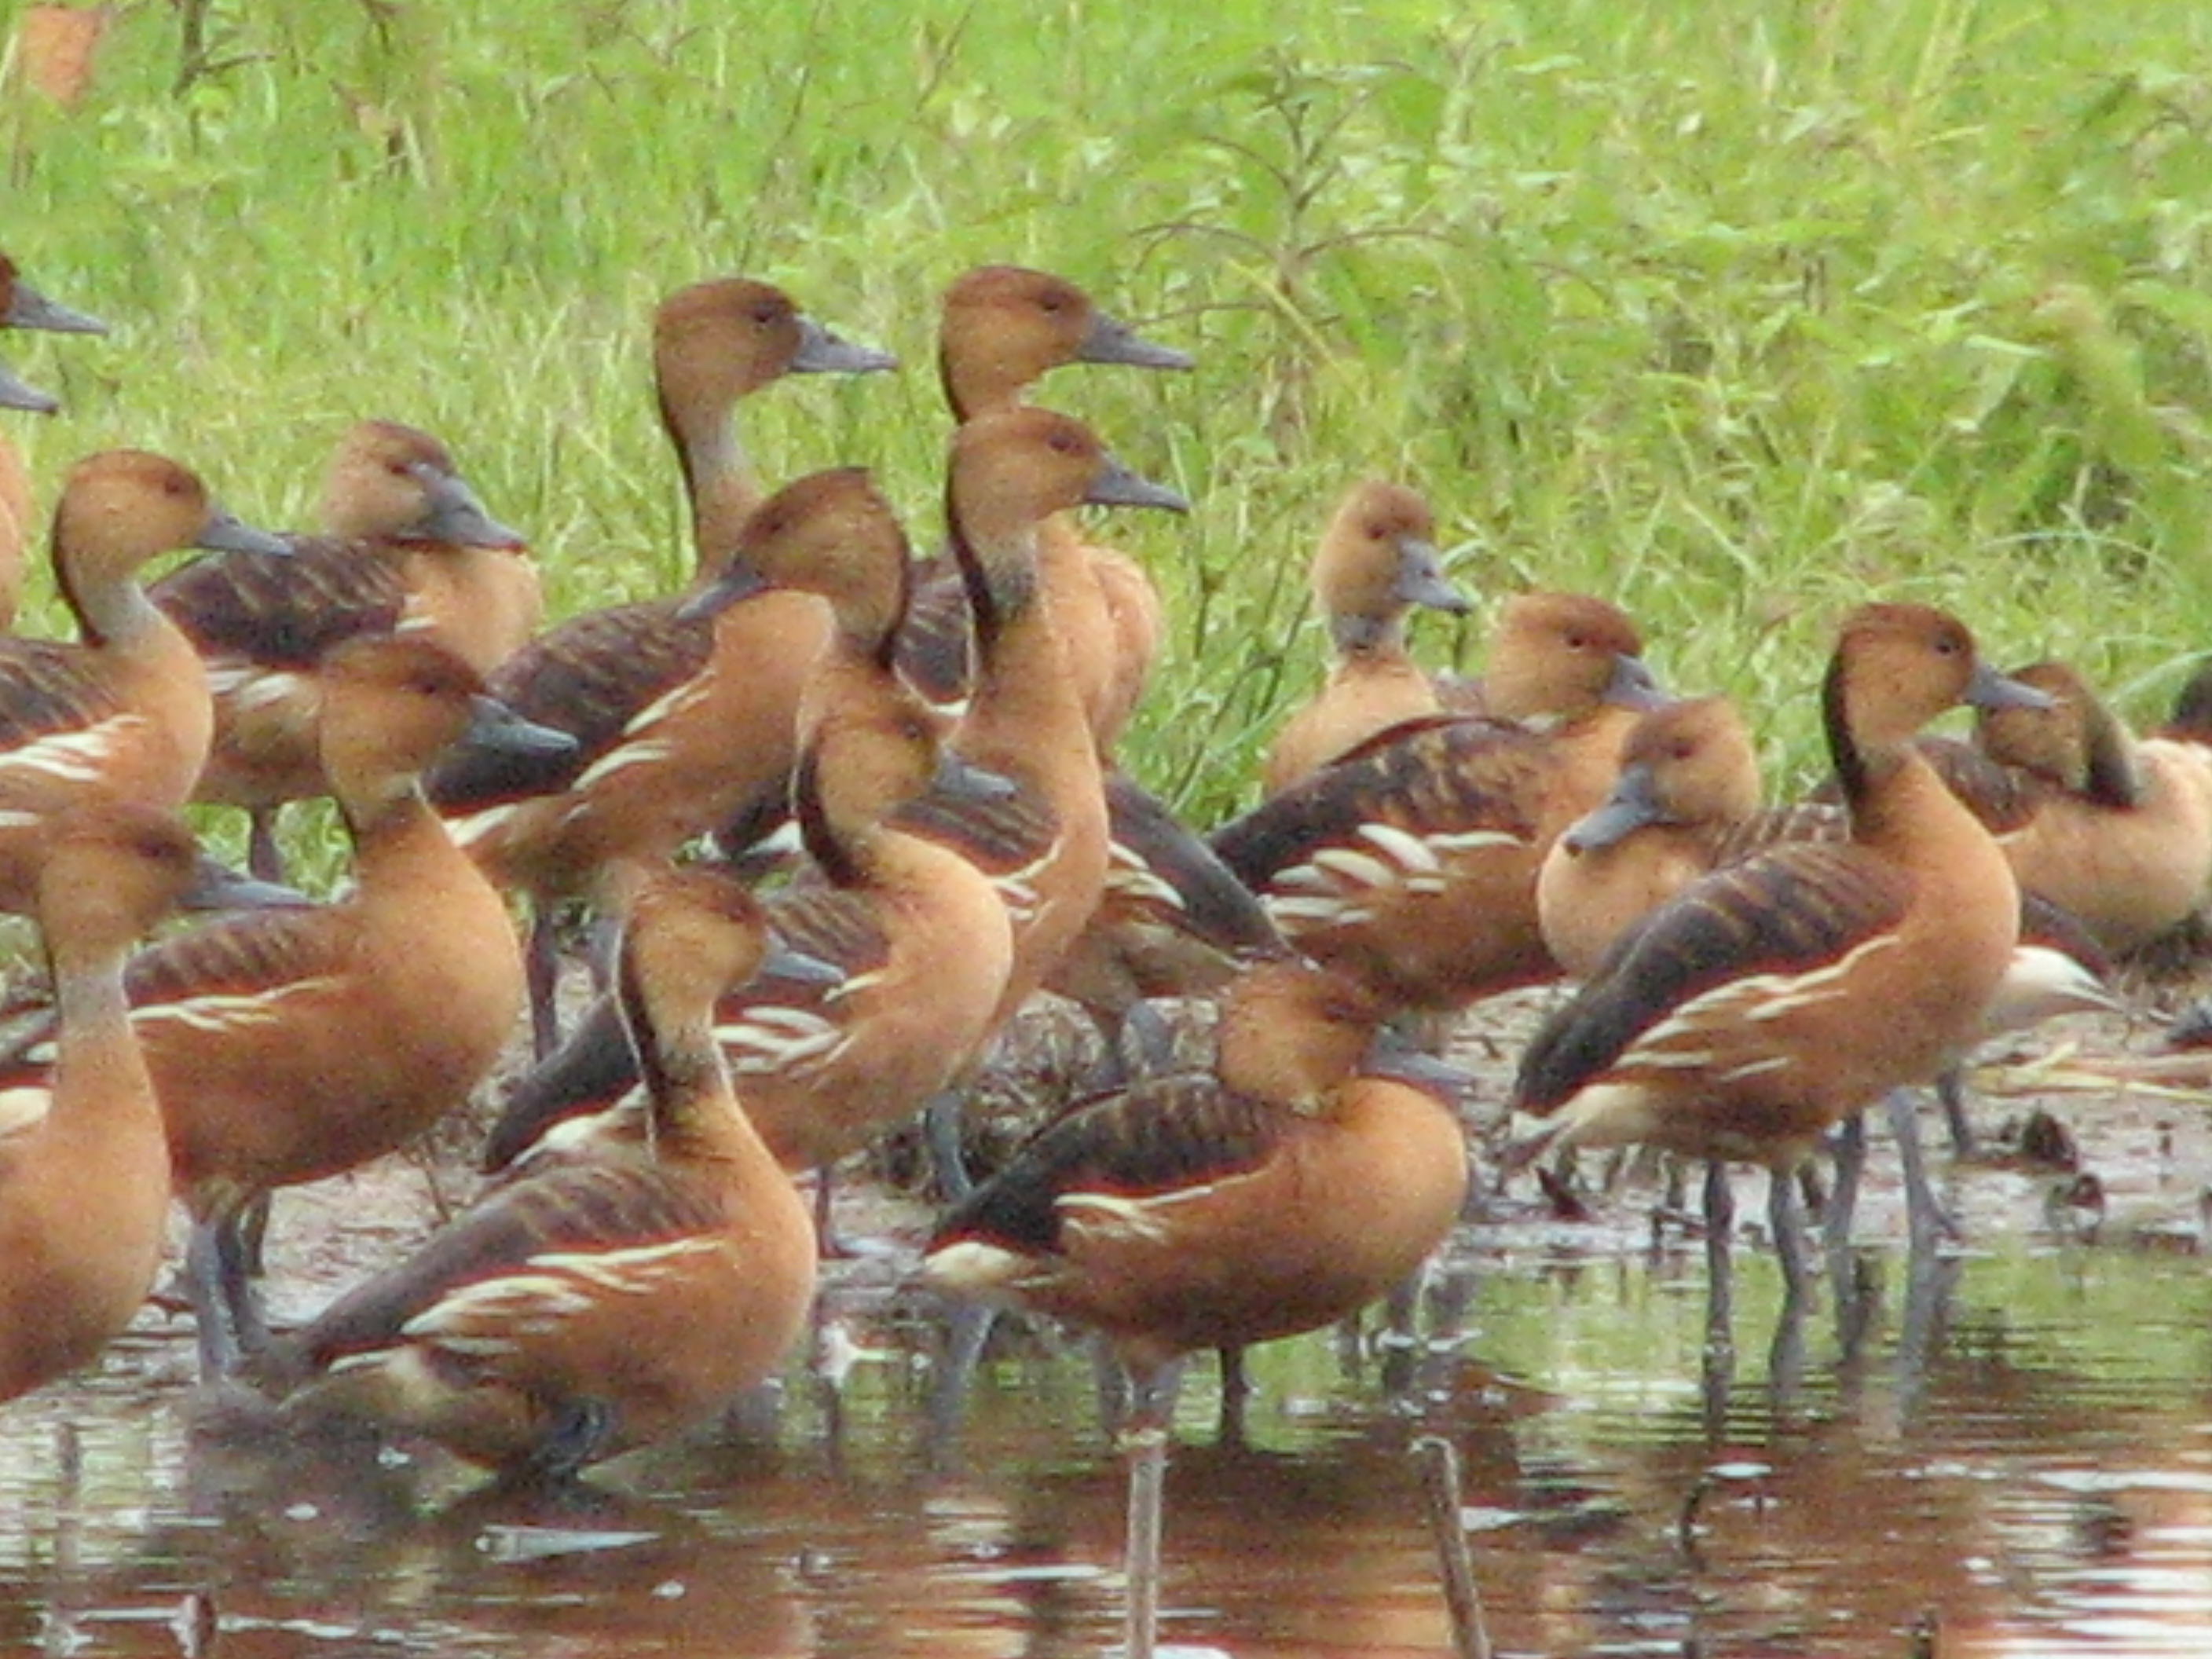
x: 1116, y: 486
x: 737, y: 580
x: 457, y: 518
x: 1633, y: 685
x: 792, y: 966
x: 1109, y: 340
x: 19, y: 394
x: 217, y: 886
x: 1627, y: 808
x: 28, y: 309
x: 958, y: 780
x: 1988, y: 689
x: 821, y: 352
x: 222, y: 533
x: 497, y: 728
x: 1421, y: 578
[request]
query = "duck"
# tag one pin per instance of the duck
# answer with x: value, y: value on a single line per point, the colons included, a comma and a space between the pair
x: 603, y: 1302
x: 1002, y: 328
x: 1688, y: 801
x: 2119, y: 829
x: 123, y: 710
x: 918, y: 938
x: 1377, y: 559
x: 84, y: 1165
x: 1771, y: 1001
x: 714, y: 343
x: 407, y: 546
x: 296, y: 1044
x: 683, y: 714
x: 1410, y: 863
x: 1287, y: 1188
x: 1688, y: 789
x: 1046, y: 846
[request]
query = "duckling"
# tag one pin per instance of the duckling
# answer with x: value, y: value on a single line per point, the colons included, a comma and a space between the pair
x: 407, y: 546
x: 1410, y: 863
x: 1287, y: 1189
x: 297, y: 1044
x: 84, y: 1169
x: 1771, y: 1000
x: 124, y: 710
x: 609, y: 1301
x: 1002, y: 329
x: 683, y: 713
x: 1376, y: 561
x: 2120, y: 830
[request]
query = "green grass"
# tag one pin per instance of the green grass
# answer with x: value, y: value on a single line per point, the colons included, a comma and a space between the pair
x: 1736, y: 312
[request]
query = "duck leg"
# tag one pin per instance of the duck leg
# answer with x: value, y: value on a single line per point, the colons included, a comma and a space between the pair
x: 1719, y: 1367
x: 541, y: 962
x: 1926, y: 1218
x: 1787, y: 1222
x: 1951, y: 1091
x: 264, y: 860
x: 1145, y: 1439
x: 203, y: 1284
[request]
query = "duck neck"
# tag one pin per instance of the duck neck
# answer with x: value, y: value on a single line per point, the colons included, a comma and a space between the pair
x: 99, y: 1074
x: 718, y: 480
x: 110, y: 613
x: 690, y: 1115
x: 399, y: 841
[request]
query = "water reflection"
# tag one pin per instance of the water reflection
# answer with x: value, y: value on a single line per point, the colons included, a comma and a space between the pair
x: 2016, y: 1459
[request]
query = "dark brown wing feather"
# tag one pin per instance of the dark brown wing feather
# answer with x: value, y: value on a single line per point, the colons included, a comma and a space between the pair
x: 589, y: 677
x: 596, y: 1067
x: 611, y: 1203
x: 1211, y: 904
x: 45, y: 688
x: 285, y: 613
x: 936, y: 643
x: 1786, y: 912
x: 998, y: 836
x: 238, y: 955
x: 1163, y: 1134
x: 1432, y: 775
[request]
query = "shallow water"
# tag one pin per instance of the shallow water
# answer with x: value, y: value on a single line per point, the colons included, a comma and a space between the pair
x: 2016, y: 1459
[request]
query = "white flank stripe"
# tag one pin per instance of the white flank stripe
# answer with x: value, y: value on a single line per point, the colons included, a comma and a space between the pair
x: 77, y: 756
x: 1356, y: 867
x: 645, y: 753
x: 1469, y: 841
x: 1409, y: 852
x: 221, y: 1012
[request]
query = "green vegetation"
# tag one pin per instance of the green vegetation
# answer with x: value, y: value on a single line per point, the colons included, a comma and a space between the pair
x: 1735, y: 312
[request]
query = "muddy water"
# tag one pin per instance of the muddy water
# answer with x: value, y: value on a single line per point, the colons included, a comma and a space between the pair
x: 2015, y: 1459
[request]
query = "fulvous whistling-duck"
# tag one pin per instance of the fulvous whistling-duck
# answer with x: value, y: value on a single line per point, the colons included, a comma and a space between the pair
x: 84, y: 1167
x: 917, y: 936
x: 610, y: 1299
x: 684, y: 714
x: 406, y: 545
x: 293, y: 1045
x: 1002, y: 329
x: 1410, y: 863
x: 1376, y: 561
x: 2119, y: 832
x: 123, y: 710
x: 1687, y: 802
x: 1775, y: 998
x: 714, y: 343
x: 1287, y: 1189
x: 1688, y: 783
x: 1046, y: 847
